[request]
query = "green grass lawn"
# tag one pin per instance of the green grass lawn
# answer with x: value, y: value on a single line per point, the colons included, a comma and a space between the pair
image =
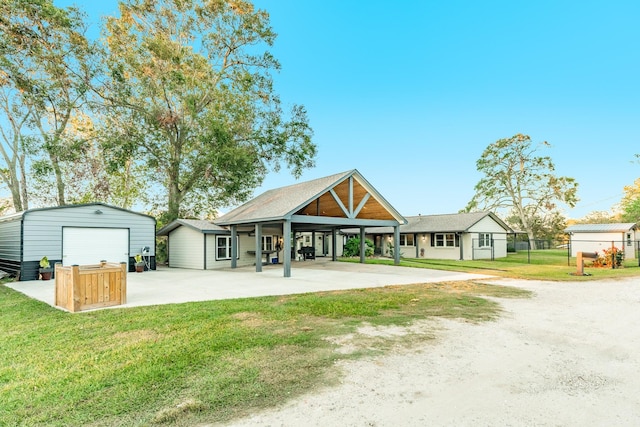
x: 185, y: 364
x: 539, y: 265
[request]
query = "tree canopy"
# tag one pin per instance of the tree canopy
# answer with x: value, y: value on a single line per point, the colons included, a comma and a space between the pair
x: 177, y: 107
x: 516, y: 178
x: 190, y: 96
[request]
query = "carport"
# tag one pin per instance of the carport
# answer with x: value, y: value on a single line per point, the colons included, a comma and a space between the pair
x: 343, y: 200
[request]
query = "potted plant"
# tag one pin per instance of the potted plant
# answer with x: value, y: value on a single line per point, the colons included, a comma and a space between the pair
x: 139, y: 263
x: 45, y: 269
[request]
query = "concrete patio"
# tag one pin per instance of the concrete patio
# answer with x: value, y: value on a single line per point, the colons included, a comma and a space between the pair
x: 174, y: 285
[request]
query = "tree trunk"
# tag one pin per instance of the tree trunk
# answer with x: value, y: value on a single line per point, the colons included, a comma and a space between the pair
x: 59, y: 181
x: 23, y: 182
x: 175, y: 198
x: 532, y: 239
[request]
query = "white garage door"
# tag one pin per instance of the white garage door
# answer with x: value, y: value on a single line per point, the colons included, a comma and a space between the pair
x: 84, y: 246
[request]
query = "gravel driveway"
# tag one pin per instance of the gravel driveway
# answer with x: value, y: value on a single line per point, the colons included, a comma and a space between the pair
x: 569, y: 356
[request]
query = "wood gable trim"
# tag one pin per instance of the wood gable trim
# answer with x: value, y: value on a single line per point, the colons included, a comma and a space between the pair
x: 350, y: 198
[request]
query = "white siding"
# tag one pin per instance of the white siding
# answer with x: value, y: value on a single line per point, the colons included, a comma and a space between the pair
x: 499, y: 235
x: 598, y: 242
x: 486, y: 225
x: 466, y: 240
x: 186, y: 248
x: 43, y: 228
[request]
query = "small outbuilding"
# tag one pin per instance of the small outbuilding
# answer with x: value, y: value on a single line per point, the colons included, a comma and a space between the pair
x: 75, y: 234
x: 598, y: 237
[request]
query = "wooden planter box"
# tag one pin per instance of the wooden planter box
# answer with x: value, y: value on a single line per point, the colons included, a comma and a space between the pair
x: 90, y: 286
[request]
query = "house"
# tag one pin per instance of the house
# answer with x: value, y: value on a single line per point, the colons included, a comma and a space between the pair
x: 263, y: 229
x: 203, y: 245
x: 462, y: 236
x: 598, y: 237
x: 74, y: 234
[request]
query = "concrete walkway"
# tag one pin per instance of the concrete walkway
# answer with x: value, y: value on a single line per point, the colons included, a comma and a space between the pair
x: 176, y: 285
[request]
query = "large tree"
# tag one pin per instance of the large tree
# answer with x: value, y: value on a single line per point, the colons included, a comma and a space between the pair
x: 191, y: 97
x: 516, y: 178
x: 46, y: 69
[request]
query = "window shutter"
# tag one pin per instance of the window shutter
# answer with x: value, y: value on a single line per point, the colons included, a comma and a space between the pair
x: 433, y: 240
x: 457, y: 240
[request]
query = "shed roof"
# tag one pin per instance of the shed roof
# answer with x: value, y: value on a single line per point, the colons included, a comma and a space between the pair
x: 459, y: 222
x: 333, y: 196
x: 203, y: 226
x: 601, y: 228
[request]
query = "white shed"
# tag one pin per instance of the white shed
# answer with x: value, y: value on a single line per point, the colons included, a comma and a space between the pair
x: 74, y: 234
x: 598, y: 237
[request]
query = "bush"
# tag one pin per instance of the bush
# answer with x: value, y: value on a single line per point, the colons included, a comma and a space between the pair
x: 608, y: 256
x: 352, y: 247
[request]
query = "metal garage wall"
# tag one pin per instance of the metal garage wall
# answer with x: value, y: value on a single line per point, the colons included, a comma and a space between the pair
x: 42, y: 233
x: 10, y: 247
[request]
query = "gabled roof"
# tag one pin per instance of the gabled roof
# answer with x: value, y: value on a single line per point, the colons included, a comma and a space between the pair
x: 460, y: 222
x: 205, y: 227
x: 329, y: 196
x: 601, y: 228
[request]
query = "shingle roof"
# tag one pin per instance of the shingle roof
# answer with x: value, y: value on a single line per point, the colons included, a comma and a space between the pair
x: 196, y: 224
x: 601, y: 228
x: 282, y: 202
x: 459, y: 222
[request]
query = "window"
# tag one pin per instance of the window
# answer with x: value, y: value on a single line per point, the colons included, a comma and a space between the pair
x: 267, y: 243
x: 223, y: 247
x: 445, y: 240
x: 406, y: 240
x: 484, y: 240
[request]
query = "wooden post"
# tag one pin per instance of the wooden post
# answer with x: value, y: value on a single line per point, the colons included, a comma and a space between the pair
x: 56, y: 295
x: 75, y: 295
x: 579, y: 264
x: 123, y: 283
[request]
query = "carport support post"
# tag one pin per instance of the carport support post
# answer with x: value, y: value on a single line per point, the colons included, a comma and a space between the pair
x: 258, y: 248
x: 286, y: 236
x: 234, y: 246
x: 362, y: 245
x: 396, y: 240
x: 334, y: 245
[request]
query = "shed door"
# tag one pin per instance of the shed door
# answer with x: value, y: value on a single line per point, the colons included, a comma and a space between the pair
x: 84, y: 246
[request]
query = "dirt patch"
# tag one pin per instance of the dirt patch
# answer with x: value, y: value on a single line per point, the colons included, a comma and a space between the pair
x: 567, y: 356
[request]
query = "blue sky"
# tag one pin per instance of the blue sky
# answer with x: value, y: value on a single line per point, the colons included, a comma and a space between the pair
x: 411, y: 93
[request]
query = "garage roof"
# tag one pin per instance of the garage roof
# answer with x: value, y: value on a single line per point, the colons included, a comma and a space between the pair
x: 601, y: 228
